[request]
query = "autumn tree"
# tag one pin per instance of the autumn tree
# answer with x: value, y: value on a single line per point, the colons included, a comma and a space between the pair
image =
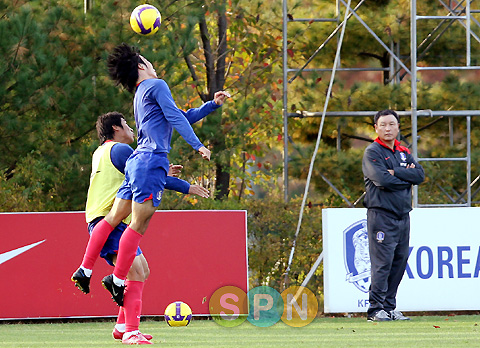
x: 54, y: 85
x: 229, y: 45
x: 441, y: 43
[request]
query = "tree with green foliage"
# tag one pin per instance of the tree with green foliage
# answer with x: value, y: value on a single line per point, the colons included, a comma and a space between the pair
x: 359, y: 91
x: 54, y: 85
x: 228, y: 45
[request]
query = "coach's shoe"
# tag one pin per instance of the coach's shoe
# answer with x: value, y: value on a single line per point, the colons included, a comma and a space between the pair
x: 380, y: 315
x: 119, y: 335
x: 115, y: 290
x: 397, y: 315
x: 81, y: 280
x: 138, y: 338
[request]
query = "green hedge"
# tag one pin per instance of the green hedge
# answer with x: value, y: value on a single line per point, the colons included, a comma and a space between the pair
x: 271, y: 229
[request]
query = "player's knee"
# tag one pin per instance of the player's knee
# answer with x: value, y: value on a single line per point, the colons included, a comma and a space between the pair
x: 113, y: 219
x: 139, y: 227
x: 120, y: 210
x: 146, y: 273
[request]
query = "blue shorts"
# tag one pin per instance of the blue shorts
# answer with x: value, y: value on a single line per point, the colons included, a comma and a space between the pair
x: 110, y: 248
x: 145, y: 177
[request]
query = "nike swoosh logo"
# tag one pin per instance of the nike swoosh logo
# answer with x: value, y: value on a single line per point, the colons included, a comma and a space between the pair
x: 4, y: 257
x: 114, y: 293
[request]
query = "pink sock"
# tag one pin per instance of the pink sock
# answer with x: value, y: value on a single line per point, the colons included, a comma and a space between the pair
x: 133, y: 304
x: 95, y: 244
x: 127, y: 249
x: 121, y: 316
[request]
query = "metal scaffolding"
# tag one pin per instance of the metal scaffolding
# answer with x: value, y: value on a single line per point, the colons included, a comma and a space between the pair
x: 456, y: 12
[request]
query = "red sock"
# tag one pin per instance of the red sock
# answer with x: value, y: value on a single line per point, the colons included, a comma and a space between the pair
x: 132, y: 302
x: 127, y: 249
x: 121, y: 315
x: 95, y: 244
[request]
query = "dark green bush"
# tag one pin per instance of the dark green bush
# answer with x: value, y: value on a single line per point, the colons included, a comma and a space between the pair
x: 271, y: 228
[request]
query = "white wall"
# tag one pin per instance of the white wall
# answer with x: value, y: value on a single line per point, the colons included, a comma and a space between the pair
x: 443, y: 267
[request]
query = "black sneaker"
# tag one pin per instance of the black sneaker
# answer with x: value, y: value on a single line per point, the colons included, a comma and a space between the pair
x: 397, y: 315
x: 380, y: 315
x: 115, y: 290
x: 81, y: 280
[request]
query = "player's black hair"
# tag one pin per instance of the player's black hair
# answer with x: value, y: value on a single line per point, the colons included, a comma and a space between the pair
x: 122, y: 66
x: 385, y: 113
x: 105, y: 125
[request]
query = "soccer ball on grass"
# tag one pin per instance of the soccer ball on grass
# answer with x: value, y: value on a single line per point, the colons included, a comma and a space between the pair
x: 145, y: 20
x: 178, y: 313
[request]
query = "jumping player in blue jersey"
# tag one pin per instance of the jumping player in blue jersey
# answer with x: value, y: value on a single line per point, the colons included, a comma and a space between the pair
x: 108, y: 174
x: 146, y: 170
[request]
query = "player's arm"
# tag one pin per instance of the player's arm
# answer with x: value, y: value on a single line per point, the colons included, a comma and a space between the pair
x: 175, y: 117
x: 196, y: 114
x: 174, y: 169
x: 374, y: 167
x: 176, y: 184
x: 199, y: 191
x: 119, y: 155
x: 179, y: 185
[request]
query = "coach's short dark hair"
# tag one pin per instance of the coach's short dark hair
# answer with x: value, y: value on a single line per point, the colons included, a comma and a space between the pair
x: 105, y: 125
x: 385, y: 113
x: 122, y: 66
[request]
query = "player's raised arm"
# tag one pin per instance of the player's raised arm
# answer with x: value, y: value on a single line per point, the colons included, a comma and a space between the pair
x: 196, y: 114
x: 220, y: 96
x: 205, y: 153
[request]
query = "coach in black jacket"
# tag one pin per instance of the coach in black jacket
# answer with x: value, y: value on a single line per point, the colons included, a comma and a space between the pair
x: 389, y: 173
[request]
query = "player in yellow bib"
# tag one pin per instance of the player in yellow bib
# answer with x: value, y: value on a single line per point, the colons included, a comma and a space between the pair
x: 108, y: 174
x: 104, y: 182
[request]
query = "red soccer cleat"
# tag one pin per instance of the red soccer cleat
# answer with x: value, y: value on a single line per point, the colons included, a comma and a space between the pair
x: 119, y: 335
x: 147, y: 336
x: 136, y: 339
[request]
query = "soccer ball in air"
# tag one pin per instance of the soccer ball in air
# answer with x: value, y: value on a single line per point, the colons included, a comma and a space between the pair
x: 178, y: 314
x: 145, y: 20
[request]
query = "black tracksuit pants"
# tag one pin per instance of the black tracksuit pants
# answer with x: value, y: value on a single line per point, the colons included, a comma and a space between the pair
x: 388, y: 239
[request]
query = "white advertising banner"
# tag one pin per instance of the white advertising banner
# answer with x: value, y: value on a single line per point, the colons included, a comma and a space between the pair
x: 443, y: 266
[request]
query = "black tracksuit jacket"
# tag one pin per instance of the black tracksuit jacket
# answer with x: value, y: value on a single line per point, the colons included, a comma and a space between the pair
x: 386, y: 192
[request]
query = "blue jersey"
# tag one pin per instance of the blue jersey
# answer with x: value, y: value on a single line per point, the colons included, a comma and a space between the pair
x: 119, y: 155
x: 156, y: 114
x: 121, y: 152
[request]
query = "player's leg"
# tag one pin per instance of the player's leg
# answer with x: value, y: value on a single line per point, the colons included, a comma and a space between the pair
x: 115, y: 283
x: 139, y: 270
x: 129, y: 316
x: 120, y: 210
x: 133, y: 300
x: 147, y: 173
x: 141, y: 215
x: 119, y: 328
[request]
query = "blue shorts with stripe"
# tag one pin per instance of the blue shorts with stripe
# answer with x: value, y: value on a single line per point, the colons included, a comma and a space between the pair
x: 145, y: 177
x: 110, y: 248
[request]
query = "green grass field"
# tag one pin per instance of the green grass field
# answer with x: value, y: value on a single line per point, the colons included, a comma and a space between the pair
x: 428, y: 331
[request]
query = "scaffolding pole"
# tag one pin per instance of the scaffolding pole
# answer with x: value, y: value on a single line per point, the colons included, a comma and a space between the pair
x: 463, y: 16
